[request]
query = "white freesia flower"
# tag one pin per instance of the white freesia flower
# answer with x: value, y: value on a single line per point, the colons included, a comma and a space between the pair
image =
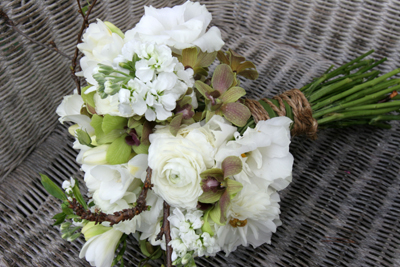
x: 70, y: 110
x: 99, y: 250
x: 179, y: 27
x: 99, y: 45
x: 264, y: 151
x: 177, y: 161
x: 112, y: 181
x: 252, y: 218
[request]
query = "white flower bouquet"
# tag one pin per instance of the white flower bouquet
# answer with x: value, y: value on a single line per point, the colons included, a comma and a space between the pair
x: 174, y: 155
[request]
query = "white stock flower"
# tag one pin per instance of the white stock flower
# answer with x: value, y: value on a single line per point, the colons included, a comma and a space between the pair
x: 99, y: 250
x: 177, y: 161
x: 186, y: 234
x: 99, y: 45
x: 264, y: 151
x: 160, y: 81
x: 252, y: 218
x: 68, y: 185
x: 70, y: 110
x: 180, y: 27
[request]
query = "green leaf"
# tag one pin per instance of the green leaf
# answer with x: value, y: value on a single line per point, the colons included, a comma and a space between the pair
x: 118, y: 152
x: 67, y: 210
x: 231, y: 165
x: 232, y: 95
x: 218, y: 174
x: 113, y: 122
x: 236, y: 113
x: 210, y: 196
x: 78, y: 195
x: 233, y: 187
x: 88, y: 98
x: 59, y: 217
x: 83, y: 137
x: 223, y: 78
x: 175, y: 124
x: 206, y: 227
x: 52, y: 188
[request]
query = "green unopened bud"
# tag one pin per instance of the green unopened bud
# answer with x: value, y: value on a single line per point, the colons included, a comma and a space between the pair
x: 96, y: 155
x: 65, y: 225
x: 105, y: 69
x: 91, y: 229
x: 114, y: 29
x: 186, y: 258
x: 73, y: 237
x: 83, y: 137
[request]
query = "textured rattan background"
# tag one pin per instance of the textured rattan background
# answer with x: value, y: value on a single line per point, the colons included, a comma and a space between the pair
x: 343, y: 207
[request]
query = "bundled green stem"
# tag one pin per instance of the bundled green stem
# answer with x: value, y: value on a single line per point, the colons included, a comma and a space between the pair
x: 353, y: 94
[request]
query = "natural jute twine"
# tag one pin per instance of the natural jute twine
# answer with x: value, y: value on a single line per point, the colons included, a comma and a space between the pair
x: 304, y: 123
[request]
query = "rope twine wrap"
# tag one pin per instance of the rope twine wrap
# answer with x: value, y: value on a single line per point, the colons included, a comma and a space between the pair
x: 304, y: 123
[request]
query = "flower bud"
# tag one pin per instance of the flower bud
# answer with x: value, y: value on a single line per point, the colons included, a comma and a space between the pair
x: 114, y: 29
x: 91, y: 229
x: 96, y: 155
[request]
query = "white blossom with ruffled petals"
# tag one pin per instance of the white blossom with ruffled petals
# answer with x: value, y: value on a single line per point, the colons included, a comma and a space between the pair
x: 179, y: 27
x: 253, y: 216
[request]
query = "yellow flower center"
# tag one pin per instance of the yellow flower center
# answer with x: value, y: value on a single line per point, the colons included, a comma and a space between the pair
x: 237, y: 223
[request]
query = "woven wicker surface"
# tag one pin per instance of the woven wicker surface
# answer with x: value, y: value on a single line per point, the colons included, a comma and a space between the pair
x: 343, y: 207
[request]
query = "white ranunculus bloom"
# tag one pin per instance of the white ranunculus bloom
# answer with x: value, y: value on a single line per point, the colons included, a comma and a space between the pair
x: 99, y: 45
x: 99, y: 250
x: 252, y: 218
x: 179, y: 27
x: 177, y: 161
x: 70, y: 110
x: 264, y: 151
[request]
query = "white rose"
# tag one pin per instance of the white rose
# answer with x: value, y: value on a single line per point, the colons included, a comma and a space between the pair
x: 179, y: 27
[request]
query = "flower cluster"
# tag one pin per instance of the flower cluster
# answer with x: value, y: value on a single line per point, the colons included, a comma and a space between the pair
x: 150, y: 104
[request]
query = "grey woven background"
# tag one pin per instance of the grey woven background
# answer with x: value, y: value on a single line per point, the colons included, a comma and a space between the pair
x: 343, y: 207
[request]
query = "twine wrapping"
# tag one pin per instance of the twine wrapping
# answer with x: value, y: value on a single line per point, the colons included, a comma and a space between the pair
x: 304, y: 123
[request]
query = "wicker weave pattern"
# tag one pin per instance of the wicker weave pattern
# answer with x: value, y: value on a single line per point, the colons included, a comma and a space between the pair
x: 342, y: 208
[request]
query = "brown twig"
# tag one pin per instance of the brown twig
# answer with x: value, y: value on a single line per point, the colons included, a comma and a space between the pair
x: 11, y: 23
x: 85, y: 24
x: 119, y: 216
x: 166, y: 231
x: 167, y: 234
